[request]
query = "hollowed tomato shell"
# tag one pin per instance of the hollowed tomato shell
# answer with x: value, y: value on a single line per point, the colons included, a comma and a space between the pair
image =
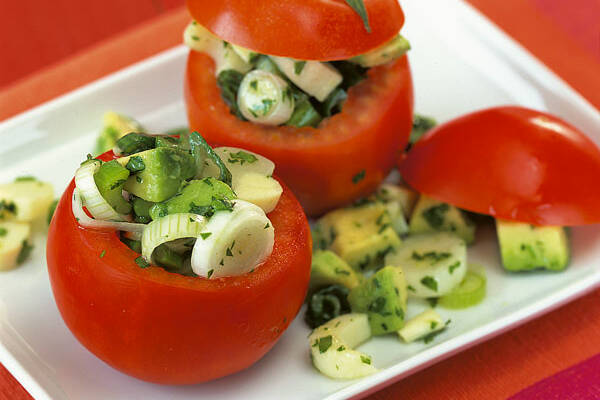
x: 512, y: 163
x: 346, y: 157
x: 301, y: 29
x: 168, y: 328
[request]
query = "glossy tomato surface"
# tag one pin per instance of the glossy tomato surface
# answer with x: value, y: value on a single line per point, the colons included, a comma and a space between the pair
x: 169, y: 328
x: 301, y: 29
x: 346, y: 157
x: 512, y: 163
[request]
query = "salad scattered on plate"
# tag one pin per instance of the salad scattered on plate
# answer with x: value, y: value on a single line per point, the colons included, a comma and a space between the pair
x: 526, y: 171
x: 178, y: 262
x: 321, y: 88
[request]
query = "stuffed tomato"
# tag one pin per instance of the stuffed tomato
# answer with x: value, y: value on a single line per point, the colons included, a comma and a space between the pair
x: 178, y: 270
x: 330, y: 101
x: 530, y: 170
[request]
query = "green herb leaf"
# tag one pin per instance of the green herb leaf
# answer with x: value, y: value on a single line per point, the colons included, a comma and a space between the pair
x: 26, y: 250
x: 25, y: 179
x: 205, y: 235
x: 210, y: 272
x: 430, y: 283
x: 359, y: 177
x: 242, y: 157
x: 3, y: 232
x: 365, y: 359
x: 359, y: 7
x: 421, y: 125
x: 453, y: 267
x: 299, y: 66
x: 433, y: 256
x: 141, y: 262
x: 103, y: 253
x: 229, y: 82
x: 325, y: 343
x: 135, y: 164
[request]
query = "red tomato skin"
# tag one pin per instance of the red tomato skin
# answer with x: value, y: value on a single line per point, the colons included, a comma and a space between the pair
x: 512, y: 163
x: 167, y: 328
x: 302, y: 29
x: 318, y: 164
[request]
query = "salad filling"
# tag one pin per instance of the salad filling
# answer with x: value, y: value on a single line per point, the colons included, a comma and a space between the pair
x: 272, y: 90
x: 184, y: 206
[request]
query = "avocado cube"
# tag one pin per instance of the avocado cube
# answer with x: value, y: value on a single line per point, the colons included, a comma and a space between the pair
x: 197, y: 196
x: 329, y: 269
x: 361, y: 236
x: 431, y: 215
x: 383, y: 298
x: 389, y: 51
x: 165, y: 169
x: 526, y: 247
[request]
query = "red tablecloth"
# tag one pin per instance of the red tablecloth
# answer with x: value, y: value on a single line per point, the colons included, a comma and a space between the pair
x: 565, y: 35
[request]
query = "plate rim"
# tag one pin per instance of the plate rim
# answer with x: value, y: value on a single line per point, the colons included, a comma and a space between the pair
x: 38, y: 382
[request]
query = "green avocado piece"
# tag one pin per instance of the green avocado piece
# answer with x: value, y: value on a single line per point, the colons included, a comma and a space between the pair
x: 389, y: 51
x: 361, y: 235
x: 110, y: 179
x: 165, y: 169
x: 526, y: 247
x: 141, y: 210
x: 431, y: 215
x: 199, y: 197
x: 329, y: 269
x: 383, y: 298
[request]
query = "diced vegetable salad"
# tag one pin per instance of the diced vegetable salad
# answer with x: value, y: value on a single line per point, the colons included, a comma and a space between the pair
x: 394, y: 245
x: 271, y: 90
x: 184, y: 206
x: 22, y: 204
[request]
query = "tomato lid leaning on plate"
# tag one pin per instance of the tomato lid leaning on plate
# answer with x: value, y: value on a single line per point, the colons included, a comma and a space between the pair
x: 512, y: 163
x: 302, y: 29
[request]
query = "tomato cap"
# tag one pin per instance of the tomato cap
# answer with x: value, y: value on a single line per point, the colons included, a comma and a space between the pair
x: 302, y: 29
x: 512, y: 163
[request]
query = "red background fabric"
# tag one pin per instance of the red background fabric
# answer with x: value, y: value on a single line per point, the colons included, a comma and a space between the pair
x: 50, y: 48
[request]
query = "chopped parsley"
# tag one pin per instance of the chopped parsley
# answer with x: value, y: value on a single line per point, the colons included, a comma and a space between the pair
x: 453, y: 267
x: 205, y: 235
x: 210, y: 272
x: 435, y: 215
x: 242, y: 157
x: 341, y: 348
x: 10, y: 207
x: 429, y: 338
x: 434, y: 256
x: 3, y: 232
x: 141, y: 262
x: 359, y: 177
x: 25, y: 179
x: 365, y: 359
x: 135, y: 164
x: 103, y: 253
x: 299, y: 66
x: 433, y: 301
x: 411, y: 288
x: 26, y: 250
x: 267, y: 226
x: 325, y: 343
x: 378, y: 305
x: 430, y: 283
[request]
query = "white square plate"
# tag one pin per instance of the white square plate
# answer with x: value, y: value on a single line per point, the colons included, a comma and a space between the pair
x: 461, y: 63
